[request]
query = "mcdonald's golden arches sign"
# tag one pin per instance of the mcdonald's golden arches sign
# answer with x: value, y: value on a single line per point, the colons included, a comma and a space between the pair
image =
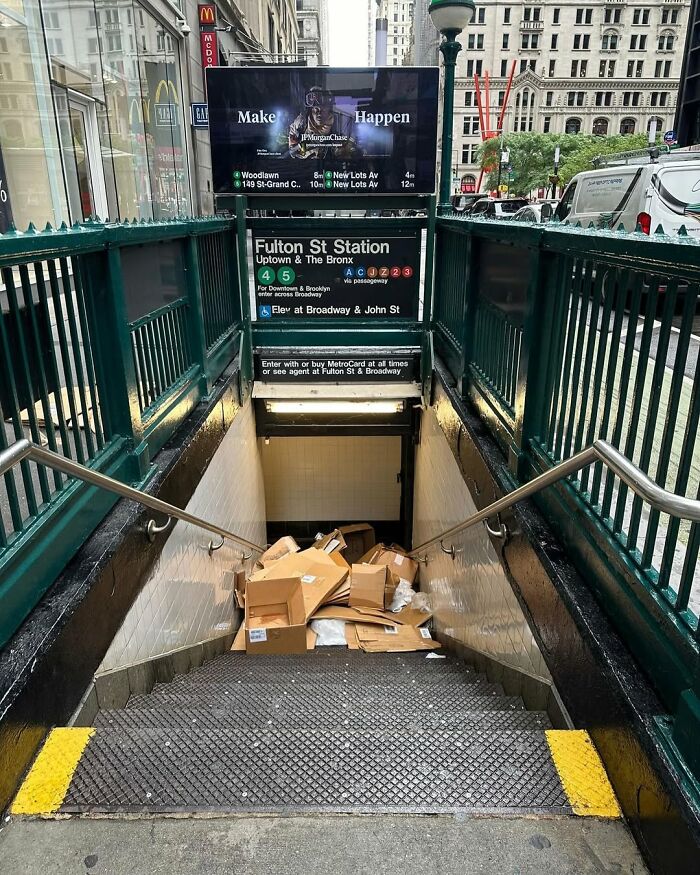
x: 207, y: 15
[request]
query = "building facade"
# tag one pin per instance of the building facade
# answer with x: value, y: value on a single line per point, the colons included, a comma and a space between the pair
x: 399, y: 16
x: 95, y: 103
x: 424, y: 38
x: 688, y: 110
x: 604, y: 67
x: 312, y: 16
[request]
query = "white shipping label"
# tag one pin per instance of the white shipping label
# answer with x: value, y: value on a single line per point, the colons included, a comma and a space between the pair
x: 398, y: 559
x: 425, y: 633
x: 257, y: 634
x: 308, y: 578
x: 391, y: 630
x: 331, y: 545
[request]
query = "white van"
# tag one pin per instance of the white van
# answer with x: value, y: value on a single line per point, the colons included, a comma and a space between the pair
x: 637, y: 188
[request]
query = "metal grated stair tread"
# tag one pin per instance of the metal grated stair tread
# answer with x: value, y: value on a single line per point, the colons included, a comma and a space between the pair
x: 377, y: 674
x: 335, y: 660
x: 165, y: 770
x: 332, y: 684
x: 235, y: 719
x: 315, y: 700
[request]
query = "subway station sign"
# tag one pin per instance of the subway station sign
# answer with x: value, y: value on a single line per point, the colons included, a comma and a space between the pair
x: 295, y: 130
x: 349, y: 275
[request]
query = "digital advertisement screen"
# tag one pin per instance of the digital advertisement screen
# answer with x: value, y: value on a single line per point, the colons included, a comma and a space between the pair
x: 296, y: 130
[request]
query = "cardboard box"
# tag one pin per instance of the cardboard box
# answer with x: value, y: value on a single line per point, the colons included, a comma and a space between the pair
x: 275, y: 619
x: 239, y: 640
x: 392, y: 581
x: 239, y: 585
x: 395, y: 559
x: 334, y: 558
x: 351, y: 637
x: 393, y: 639
x: 355, y: 615
x: 407, y: 616
x: 279, y: 550
x: 320, y: 573
x: 359, y: 537
x: 331, y: 543
x: 367, y: 585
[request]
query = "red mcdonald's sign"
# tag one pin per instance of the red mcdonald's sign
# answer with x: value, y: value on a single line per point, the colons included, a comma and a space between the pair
x: 209, y: 42
x: 207, y: 14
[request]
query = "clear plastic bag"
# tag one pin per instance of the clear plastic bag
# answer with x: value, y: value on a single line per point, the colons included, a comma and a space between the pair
x: 421, y: 602
x: 331, y: 633
x: 403, y: 596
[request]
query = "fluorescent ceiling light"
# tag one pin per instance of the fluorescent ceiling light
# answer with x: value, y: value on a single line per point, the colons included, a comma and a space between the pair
x: 334, y: 406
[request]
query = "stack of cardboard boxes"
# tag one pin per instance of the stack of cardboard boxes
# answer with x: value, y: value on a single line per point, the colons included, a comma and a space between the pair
x: 344, y: 576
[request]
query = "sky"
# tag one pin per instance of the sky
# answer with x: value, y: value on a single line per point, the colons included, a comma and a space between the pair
x: 347, y: 26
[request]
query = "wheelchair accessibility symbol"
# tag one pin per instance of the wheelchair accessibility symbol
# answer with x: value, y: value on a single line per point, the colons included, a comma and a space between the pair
x: 265, y: 311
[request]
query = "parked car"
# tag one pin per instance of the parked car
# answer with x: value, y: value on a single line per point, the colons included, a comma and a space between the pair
x: 497, y: 208
x: 535, y: 213
x: 637, y: 188
x: 462, y: 202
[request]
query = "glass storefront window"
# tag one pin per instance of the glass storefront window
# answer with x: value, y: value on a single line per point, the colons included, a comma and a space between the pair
x: 125, y: 107
x: 163, y: 119
x: 32, y: 187
x: 91, y: 113
x: 73, y: 46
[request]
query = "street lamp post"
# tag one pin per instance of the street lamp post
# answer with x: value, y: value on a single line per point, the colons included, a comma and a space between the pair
x: 450, y: 17
x: 503, y: 159
x: 557, y: 153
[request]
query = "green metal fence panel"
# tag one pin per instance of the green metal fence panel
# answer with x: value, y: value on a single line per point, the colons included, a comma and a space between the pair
x: 627, y: 375
x: 495, y: 353
x: 221, y: 308
x: 449, y: 306
x: 610, y: 348
x: 48, y: 390
x: 161, y: 351
x: 96, y: 353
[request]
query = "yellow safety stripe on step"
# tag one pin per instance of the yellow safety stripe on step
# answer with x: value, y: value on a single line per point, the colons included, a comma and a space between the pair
x: 582, y: 773
x: 46, y: 785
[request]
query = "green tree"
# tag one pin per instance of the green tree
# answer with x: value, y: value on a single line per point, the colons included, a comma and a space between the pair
x: 531, y: 156
x: 582, y: 158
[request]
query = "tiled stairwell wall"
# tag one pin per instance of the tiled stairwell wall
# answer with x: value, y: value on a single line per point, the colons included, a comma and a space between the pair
x: 185, y: 601
x: 471, y: 597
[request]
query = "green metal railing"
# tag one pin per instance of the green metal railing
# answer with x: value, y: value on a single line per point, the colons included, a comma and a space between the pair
x: 162, y: 354
x: 572, y: 336
x: 217, y: 268
x: 109, y: 336
x: 496, y: 351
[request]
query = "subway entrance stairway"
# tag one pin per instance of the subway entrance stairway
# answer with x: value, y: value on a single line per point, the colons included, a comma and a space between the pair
x: 222, y: 427
x: 335, y: 732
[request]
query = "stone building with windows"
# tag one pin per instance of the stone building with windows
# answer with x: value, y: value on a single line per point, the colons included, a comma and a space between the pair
x: 312, y: 16
x: 424, y: 39
x: 399, y: 18
x: 95, y: 103
x: 602, y: 67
